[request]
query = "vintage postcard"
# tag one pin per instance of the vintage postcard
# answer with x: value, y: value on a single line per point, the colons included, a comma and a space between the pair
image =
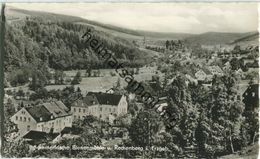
x: 129, y: 80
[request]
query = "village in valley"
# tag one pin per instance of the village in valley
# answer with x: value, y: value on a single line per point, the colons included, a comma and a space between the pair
x: 209, y: 90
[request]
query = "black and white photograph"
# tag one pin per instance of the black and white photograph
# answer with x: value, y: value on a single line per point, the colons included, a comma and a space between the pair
x: 130, y: 80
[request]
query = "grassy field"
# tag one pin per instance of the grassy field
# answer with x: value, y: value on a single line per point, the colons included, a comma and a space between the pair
x: 106, y: 81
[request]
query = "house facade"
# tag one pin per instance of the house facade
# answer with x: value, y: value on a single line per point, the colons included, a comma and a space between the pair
x: 104, y: 106
x: 45, y: 117
x: 200, y: 75
x: 215, y: 70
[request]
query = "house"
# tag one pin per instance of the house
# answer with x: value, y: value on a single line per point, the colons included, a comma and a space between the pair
x: 215, y: 70
x: 248, y: 61
x: 45, y: 117
x: 227, y: 66
x: 239, y: 73
x: 102, y: 105
x: 201, y: 75
x: 191, y: 78
x: 253, y: 67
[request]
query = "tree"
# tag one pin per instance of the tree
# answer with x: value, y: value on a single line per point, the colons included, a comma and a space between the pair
x: 144, y: 127
x: 137, y: 70
x: 20, y: 93
x: 16, y: 149
x: 34, y: 84
x: 88, y: 71
x: 167, y: 44
x: 118, y: 84
x: 77, y: 79
x: 224, y: 117
x: 59, y: 77
x: 235, y: 64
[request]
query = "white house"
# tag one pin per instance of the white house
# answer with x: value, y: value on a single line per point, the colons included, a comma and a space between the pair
x: 215, y: 70
x: 102, y: 105
x: 45, y: 117
x: 200, y: 75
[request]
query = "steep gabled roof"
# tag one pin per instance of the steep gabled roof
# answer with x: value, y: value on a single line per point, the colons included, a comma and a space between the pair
x: 58, y: 109
x: 85, y: 101
x: 206, y: 71
x: 106, y: 98
x: 44, y: 112
x: 39, y: 113
x: 90, y: 100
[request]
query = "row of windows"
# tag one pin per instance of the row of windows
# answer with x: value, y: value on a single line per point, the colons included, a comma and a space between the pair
x: 23, y: 118
x: 100, y: 109
x: 123, y: 110
x: 84, y: 110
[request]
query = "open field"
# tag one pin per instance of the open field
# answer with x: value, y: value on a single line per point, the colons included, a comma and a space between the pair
x: 105, y: 82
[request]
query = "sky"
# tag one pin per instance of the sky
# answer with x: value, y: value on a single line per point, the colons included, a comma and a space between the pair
x: 161, y: 17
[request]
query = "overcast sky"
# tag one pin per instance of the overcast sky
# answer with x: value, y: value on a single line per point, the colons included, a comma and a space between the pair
x: 161, y: 17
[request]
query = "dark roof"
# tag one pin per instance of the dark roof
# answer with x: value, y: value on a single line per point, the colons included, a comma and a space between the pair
x: 66, y: 130
x: 106, y: 98
x: 206, y: 71
x: 85, y: 101
x: 43, y: 112
x: 90, y: 100
x: 39, y: 135
x: 38, y: 112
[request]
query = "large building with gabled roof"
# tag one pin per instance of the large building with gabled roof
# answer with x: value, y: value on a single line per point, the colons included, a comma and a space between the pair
x: 45, y: 117
x: 105, y: 106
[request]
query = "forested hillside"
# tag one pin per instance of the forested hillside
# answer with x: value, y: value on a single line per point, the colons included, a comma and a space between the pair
x: 215, y: 38
x: 55, y: 42
x: 37, y: 44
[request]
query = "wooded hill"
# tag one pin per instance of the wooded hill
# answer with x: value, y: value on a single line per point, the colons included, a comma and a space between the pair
x: 55, y: 40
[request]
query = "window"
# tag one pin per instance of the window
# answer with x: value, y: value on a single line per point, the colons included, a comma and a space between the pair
x: 16, y: 117
x: 21, y: 118
x: 74, y: 109
x: 79, y: 110
x: 29, y: 119
x: 75, y: 116
x: 28, y: 127
x: 24, y: 118
x: 100, y: 109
